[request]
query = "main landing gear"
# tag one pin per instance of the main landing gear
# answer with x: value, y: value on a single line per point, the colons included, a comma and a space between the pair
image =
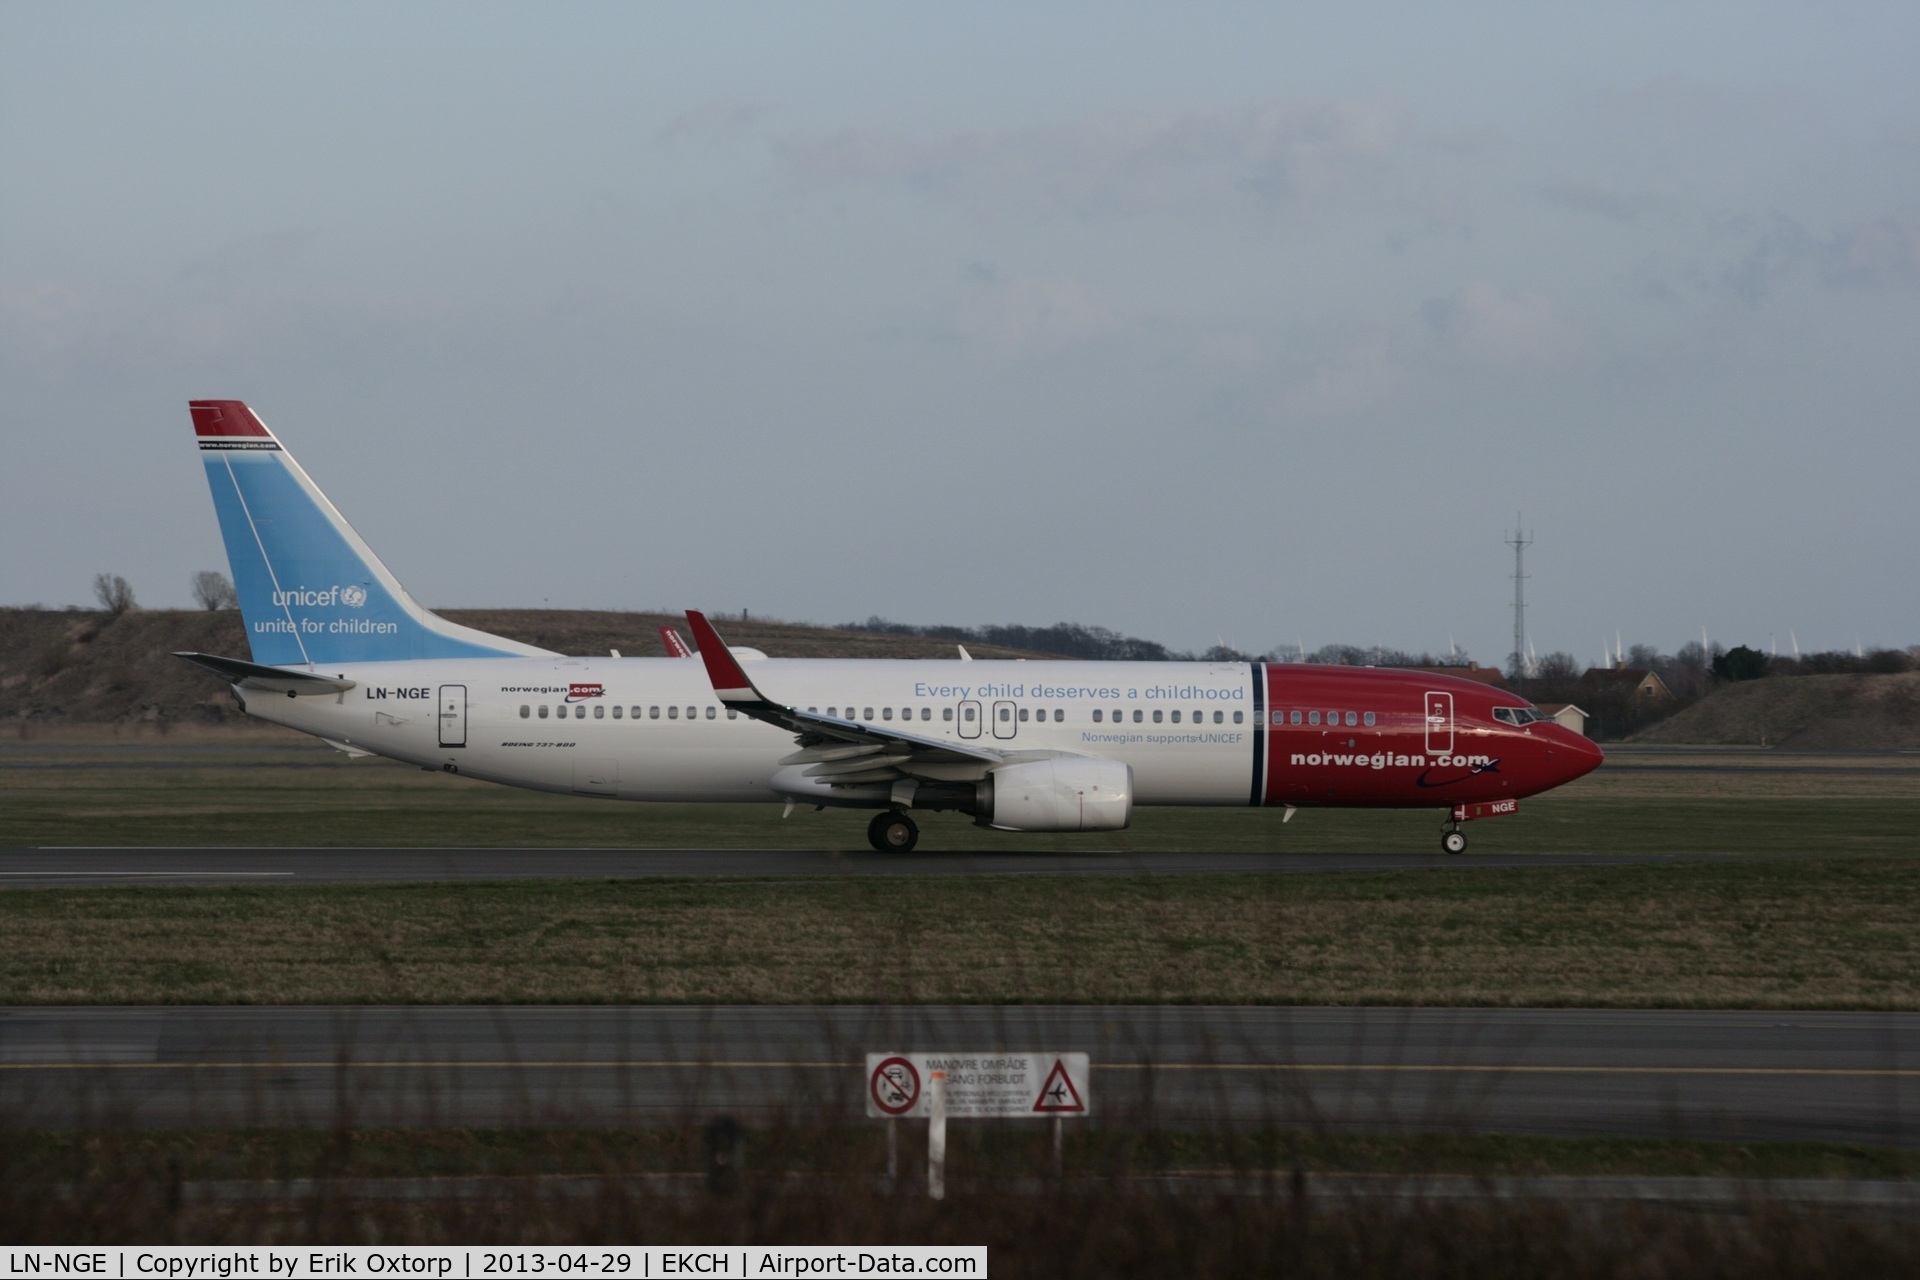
x: 1453, y: 840
x: 893, y: 832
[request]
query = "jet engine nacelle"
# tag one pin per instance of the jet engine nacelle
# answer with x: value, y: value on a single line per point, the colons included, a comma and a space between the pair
x: 1060, y: 794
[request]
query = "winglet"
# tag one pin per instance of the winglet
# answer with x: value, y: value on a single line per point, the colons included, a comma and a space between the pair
x: 730, y: 682
x: 676, y: 647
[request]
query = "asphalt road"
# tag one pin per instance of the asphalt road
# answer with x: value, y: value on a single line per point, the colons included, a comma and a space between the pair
x: 1746, y: 1076
x: 24, y: 867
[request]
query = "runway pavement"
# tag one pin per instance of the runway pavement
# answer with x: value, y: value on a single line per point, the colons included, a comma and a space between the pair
x: 1851, y: 1077
x: 75, y: 866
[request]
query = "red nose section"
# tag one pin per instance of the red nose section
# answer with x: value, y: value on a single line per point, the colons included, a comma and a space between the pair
x: 1574, y: 755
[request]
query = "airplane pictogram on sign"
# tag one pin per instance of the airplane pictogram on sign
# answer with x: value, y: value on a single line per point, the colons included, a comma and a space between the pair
x: 1057, y: 1095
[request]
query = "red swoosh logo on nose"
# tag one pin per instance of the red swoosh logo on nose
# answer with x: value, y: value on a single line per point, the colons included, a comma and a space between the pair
x: 1491, y: 766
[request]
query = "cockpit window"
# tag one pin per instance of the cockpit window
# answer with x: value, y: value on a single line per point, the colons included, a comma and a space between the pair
x: 1520, y: 715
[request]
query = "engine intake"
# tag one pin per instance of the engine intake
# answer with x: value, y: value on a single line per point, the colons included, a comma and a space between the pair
x: 1059, y: 794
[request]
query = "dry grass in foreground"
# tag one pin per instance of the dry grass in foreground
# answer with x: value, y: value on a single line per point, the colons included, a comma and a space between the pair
x: 1080, y: 1227
x: 1103, y: 1232
x: 1819, y: 934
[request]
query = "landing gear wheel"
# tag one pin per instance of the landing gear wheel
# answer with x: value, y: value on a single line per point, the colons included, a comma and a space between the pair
x: 893, y: 832
x: 1454, y: 842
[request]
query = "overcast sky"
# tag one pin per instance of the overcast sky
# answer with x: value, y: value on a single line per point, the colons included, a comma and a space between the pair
x: 1242, y: 322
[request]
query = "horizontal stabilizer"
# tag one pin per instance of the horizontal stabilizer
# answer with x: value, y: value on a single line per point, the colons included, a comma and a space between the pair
x: 251, y: 675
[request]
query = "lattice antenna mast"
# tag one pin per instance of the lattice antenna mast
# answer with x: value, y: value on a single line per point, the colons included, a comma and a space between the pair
x: 1520, y: 540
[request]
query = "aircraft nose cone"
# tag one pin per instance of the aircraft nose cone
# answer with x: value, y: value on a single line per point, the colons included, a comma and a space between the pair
x: 1578, y: 754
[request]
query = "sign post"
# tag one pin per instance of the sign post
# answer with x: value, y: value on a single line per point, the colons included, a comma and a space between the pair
x: 963, y: 1086
x: 937, y: 1136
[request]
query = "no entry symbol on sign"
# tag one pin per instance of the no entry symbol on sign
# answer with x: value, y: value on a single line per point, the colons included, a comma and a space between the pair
x: 895, y: 1086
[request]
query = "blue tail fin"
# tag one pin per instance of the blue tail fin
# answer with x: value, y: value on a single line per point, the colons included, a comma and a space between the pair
x: 311, y: 592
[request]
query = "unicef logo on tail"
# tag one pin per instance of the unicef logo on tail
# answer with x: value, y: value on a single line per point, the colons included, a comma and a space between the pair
x: 353, y: 596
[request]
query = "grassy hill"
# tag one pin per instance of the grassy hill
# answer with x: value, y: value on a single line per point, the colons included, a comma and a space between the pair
x: 84, y: 667
x: 1806, y: 713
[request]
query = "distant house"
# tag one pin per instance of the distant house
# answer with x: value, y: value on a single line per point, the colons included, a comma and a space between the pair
x: 1567, y: 714
x: 1472, y: 671
x: 1638, y: 683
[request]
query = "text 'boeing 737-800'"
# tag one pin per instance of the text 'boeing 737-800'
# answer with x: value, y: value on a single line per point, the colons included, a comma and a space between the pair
x: 341, y: 651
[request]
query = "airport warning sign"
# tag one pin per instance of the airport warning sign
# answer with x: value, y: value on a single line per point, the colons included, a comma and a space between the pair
x: 979, y: 1085
x: 893, y: 1085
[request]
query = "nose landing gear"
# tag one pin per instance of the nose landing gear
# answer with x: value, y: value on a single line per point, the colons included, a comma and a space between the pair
x: 893, y: 832
x: 1453, y: 840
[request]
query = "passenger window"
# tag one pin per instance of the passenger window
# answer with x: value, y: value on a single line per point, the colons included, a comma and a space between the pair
x: 1353, y: 718
x: 1199, y: 717
x: 1176, y: 717
x: 732, y: 714
x: 525, y: 711
x: 967, y: 715
x: 1279, y: 717
x: 1238, y: 716
x: 1096, y: 715
x: 579, y: 711
x: 543, y: 711
x: 926, y: 713
x: 946, y: 713
x: 1369, y: 719
x: 692, y: 712
x: 653, y: 713
x: 599, y: 713
x: 869, y: 714
x: 1006, y: 714
x: 1059, y: 715
x: 1219, y: 716
x: 616, y: 713
x: 712, y: 712
x: 1294, y: 718
x: 1156, y: 715
x: 834, y: 712
x: 1023, y: 715
x: 1313, y: 717
x: 1136, y: 716
x: 886, y: 713
x: 673, y: 713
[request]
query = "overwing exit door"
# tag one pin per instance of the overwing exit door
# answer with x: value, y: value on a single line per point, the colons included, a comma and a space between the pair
x: 453, y: 715
x: 969, y: 719
x: 1439, y: 723
x: 1005, y: 725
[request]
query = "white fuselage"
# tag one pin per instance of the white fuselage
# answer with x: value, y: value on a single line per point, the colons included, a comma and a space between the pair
x: 653, y: 729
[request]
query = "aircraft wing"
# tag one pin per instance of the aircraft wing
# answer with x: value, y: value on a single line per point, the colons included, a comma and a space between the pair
x: 841, y: 752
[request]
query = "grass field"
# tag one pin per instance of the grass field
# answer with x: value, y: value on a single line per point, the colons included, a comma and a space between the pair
x: 1817, y: 933
x: 284, y: 790
x: 1826, y: 919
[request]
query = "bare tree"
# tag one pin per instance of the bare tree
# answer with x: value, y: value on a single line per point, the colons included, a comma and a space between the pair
x: 212, y: 590
x: 113, y: 593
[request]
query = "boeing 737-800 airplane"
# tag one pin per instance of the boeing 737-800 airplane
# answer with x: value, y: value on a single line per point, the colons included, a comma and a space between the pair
x: 341, y: 651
